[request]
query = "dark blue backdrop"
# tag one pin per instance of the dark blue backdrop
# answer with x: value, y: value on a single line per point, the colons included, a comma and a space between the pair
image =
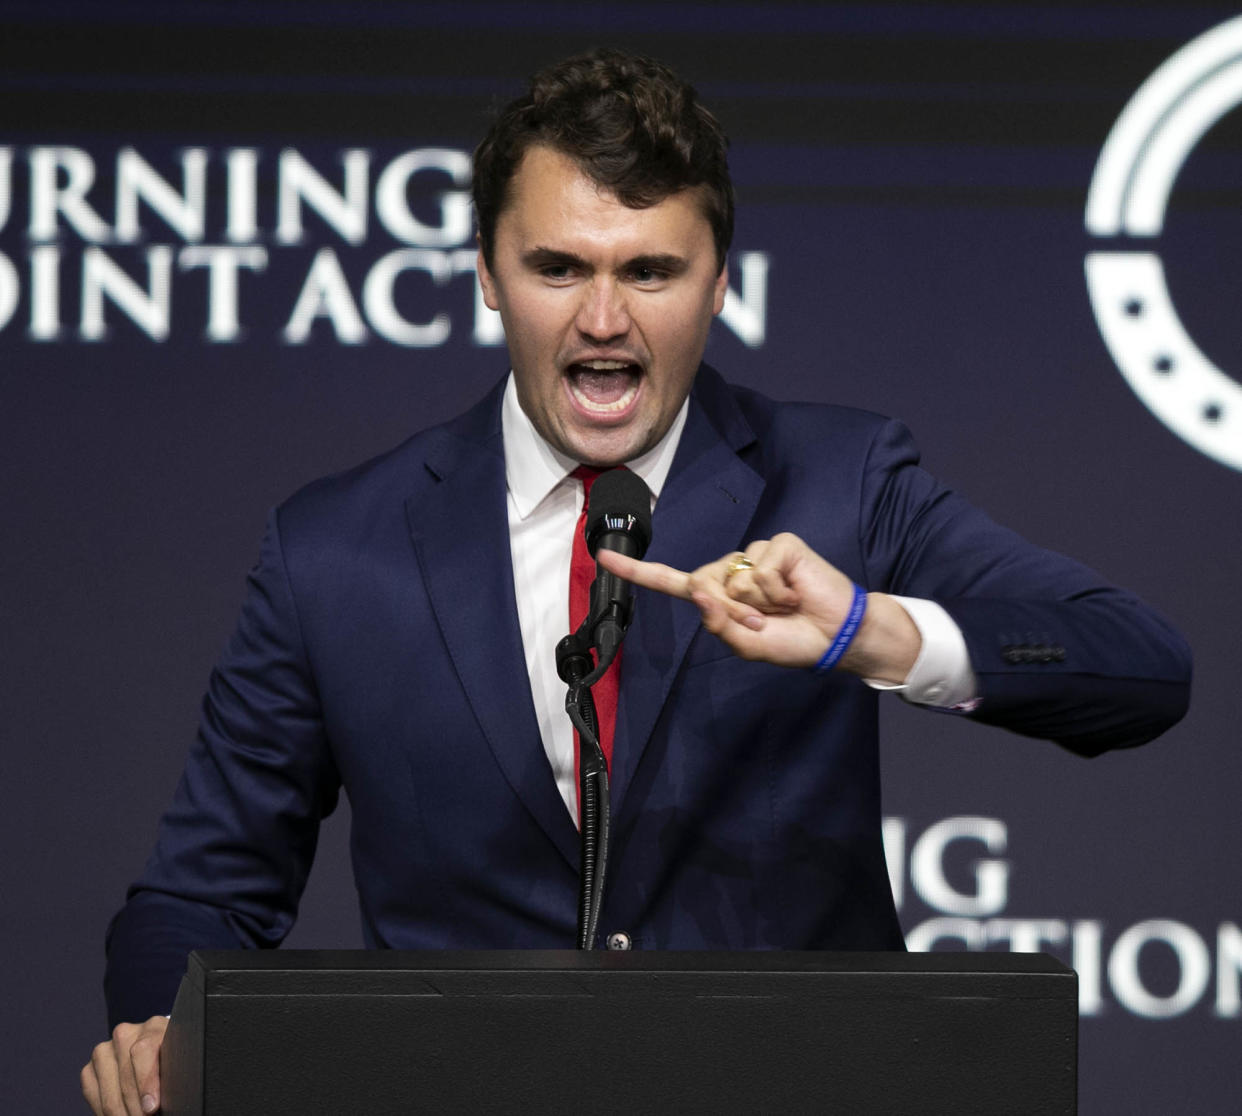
x: 912, y: 183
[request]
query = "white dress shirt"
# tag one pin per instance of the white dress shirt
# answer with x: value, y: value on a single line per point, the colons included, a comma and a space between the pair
x: 544, y: 505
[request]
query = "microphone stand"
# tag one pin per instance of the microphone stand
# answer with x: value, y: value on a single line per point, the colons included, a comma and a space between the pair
x: 622, y: 521
x: 576, y: 668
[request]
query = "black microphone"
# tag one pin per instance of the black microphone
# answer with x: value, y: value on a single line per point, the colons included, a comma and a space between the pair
x: 619, y: 518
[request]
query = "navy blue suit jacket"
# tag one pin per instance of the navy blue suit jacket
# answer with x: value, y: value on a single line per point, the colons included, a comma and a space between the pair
x: 379, y: 651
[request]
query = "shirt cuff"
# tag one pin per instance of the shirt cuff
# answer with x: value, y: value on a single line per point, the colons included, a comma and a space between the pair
x: 942, y: 675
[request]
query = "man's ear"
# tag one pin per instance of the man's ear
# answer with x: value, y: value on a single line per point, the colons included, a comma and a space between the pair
x: 486, y: 282
x: 722, y: 288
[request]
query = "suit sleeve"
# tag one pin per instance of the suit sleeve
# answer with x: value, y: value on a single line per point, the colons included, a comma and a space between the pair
x: 1058, y: 652
x: 234, y: 850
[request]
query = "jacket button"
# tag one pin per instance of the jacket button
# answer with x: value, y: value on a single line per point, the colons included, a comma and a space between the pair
x: 619, y: 939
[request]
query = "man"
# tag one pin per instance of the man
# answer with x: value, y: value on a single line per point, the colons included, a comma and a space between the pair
x: 398, y: 635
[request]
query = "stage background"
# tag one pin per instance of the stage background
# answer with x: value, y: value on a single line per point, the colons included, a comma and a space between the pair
x: 911, y: 181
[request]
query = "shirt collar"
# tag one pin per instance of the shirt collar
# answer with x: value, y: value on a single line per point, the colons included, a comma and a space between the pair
x: 533, y: 468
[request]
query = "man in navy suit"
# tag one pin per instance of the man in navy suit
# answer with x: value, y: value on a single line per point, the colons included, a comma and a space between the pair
x: 397, y: 638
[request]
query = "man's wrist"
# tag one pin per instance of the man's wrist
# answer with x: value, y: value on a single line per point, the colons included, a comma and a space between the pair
x: 887, y: 644
x: 942, y: 675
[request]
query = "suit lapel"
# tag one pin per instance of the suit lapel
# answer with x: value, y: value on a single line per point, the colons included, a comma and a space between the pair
x: 703, y: 511
x: 461, y: 537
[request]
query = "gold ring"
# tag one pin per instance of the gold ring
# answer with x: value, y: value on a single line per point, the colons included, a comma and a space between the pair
x: 736, y: 563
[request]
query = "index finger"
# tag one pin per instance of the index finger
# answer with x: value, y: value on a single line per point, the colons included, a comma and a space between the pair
x: 648, y: 575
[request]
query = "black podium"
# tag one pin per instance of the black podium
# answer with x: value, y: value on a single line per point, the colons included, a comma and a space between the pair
x: 304, y: 1032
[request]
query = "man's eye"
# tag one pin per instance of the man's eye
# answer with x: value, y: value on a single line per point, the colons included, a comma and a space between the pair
x: 555, y: 271
x: 647, y: 275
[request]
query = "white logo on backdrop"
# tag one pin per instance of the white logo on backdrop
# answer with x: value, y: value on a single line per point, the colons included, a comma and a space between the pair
x: 82, y: 274
x: 1155, y: 133
x: 968, y: 908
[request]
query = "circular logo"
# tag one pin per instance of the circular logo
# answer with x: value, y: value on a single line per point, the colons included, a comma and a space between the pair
x: 1129, y: 194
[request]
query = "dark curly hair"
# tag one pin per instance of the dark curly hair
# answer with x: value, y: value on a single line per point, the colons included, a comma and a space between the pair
x: 632, y: 126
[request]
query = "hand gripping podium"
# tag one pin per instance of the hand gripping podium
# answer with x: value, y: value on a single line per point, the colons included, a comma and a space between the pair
x: 309, y: 1032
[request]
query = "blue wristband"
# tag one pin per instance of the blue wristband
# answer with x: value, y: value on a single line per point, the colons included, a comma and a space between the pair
x: 846, y: 633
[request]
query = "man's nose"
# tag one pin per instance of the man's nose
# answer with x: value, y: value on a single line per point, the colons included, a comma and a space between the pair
x: 603, y: 314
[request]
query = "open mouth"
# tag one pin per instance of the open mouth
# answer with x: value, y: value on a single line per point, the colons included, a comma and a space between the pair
x: 604, y: 387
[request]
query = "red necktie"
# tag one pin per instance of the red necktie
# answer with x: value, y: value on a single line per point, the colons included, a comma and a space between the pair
x: 581, y: 574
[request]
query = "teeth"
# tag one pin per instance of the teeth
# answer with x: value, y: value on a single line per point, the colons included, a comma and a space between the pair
x: 605, y: 408
x: 605, y: 365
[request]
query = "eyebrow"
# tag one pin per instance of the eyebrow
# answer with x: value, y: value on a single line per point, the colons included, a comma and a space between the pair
x: 657, y: 261
x: 542, y: 257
